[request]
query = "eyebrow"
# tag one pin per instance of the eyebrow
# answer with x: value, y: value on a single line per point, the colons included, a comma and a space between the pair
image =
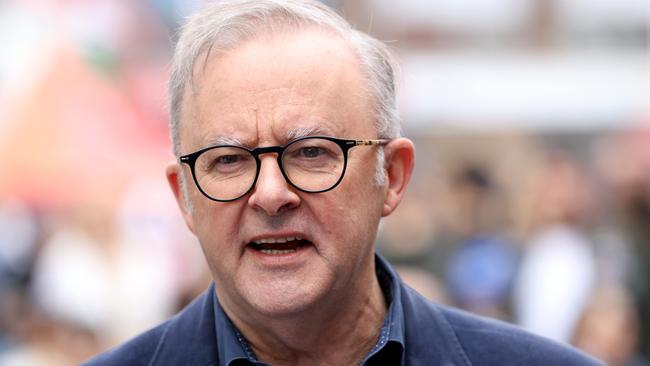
x: 299, y: 132
x: 223, y: 140
x: 292, y: 134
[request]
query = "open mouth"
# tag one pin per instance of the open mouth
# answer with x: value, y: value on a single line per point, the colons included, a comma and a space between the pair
x: 278, y: 246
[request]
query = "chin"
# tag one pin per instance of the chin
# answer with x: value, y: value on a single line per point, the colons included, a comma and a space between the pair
x: 284, y: 298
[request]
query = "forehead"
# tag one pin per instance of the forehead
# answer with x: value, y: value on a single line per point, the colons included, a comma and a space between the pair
x: 268, y: 88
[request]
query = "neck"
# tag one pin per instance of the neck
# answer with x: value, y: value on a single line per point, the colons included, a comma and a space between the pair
x: 339, y: 331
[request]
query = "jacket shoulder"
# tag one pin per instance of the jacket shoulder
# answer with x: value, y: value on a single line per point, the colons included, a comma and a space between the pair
x: 137, y: 351
x: 468, y: 339
x: 188, y: 338
x: 490, y: 342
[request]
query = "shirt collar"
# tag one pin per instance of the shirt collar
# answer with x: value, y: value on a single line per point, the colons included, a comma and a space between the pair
x: 390, y: 345
x: 231, y: 344
x: 233, y: 347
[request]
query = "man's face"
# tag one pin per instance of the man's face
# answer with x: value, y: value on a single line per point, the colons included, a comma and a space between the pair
x: 261, y: 94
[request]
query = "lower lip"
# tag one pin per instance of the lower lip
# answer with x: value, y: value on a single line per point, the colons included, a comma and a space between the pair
x: 281, y: 259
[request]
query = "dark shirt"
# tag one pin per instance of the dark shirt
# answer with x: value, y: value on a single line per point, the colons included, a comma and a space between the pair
x: 389, y: 347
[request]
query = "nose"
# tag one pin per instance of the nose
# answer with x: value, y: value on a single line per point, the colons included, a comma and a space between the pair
x: 272, y: 193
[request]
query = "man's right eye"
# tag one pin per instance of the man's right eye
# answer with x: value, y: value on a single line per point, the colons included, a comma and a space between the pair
x: 227, y: 163
x: 227, y: 159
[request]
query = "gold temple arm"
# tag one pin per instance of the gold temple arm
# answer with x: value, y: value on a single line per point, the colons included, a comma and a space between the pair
x: 371, y: 142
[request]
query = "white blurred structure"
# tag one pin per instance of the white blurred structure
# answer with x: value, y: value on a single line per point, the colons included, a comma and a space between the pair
x: 555, y: 282
x: 537, y: 65
x: 560, y: 91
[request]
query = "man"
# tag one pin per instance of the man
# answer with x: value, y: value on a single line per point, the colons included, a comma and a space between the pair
x: 284, y: 122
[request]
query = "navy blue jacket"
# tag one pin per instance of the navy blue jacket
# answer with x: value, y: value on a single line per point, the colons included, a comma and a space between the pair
x: 432, y: 335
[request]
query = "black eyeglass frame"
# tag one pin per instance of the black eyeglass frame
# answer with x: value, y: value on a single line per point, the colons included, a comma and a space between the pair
x: 345, y: 145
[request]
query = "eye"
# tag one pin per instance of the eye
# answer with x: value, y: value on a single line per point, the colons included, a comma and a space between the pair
x: 311, y: 152
x: 229, y: 163
x: 224, y: 160
x: 228, y: 159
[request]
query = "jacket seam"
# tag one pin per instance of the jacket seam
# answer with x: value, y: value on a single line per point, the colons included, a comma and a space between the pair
x: 160, y: 345
x: 455, y: 341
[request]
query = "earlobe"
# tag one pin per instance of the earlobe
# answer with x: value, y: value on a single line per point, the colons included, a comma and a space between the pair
x: 173, y: 172
x: 400, y: 159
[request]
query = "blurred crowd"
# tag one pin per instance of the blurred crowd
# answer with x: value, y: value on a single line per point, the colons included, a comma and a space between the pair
x: 548, y: 228
x: 550, y: 236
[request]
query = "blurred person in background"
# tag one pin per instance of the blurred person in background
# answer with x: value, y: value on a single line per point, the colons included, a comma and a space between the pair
x: 481, y: 267
x: 624, y: 161
x: 77, y: 257
x: 558, y: 270
x: 36, y: 333
x: 20, y: 232
x: 406, y: 242
x: 609, y: 328
x: 289, y: 154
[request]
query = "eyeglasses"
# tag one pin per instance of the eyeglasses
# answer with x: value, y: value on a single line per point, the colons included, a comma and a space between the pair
x: 310, y: 164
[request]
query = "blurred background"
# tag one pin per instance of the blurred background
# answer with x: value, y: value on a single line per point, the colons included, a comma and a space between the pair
x: 530, y: 201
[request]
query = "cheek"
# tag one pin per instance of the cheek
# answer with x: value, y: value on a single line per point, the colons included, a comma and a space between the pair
x: 216, y: 225
x: 350, y: 213
x: 359, y: 188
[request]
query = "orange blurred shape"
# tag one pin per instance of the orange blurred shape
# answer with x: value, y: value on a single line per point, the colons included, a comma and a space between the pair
x: 77, y: 138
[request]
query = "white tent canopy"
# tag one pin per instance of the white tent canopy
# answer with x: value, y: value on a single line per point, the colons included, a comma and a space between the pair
x: 559, y: 91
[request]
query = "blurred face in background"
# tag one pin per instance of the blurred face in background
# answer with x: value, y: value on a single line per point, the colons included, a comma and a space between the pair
x: 609, y: 327
x: 264, y: 93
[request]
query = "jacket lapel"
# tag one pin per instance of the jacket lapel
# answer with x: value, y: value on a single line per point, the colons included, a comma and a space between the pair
x: 190, y: 337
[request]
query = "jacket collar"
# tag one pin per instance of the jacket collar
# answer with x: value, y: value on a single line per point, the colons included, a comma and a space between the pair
x: 232, y: 345
x: 190, y: 338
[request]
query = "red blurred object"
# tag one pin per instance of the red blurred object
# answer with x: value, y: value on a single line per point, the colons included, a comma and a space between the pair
x: 77, y: 137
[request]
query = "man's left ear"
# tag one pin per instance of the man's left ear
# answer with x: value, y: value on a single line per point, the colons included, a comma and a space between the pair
x: 399, y: 161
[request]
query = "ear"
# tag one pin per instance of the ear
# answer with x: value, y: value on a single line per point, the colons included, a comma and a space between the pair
x: 173, y: 172
x: 399, y: 159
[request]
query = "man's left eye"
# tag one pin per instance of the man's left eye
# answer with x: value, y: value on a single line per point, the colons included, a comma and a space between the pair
x: 311, y: 152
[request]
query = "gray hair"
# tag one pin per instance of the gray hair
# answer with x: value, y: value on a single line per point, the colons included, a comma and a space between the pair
x: 223, y: 25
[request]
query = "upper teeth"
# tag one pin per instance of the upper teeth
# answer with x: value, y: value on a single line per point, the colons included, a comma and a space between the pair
x: 276, y: 240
